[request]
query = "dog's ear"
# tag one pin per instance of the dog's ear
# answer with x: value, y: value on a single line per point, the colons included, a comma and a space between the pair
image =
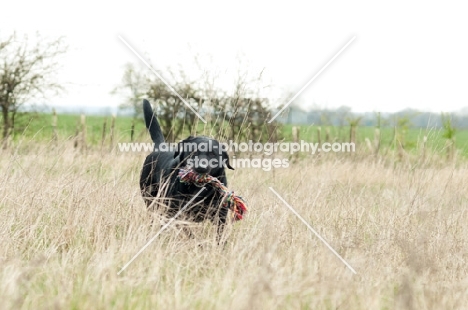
x: 179, y: 151
x: 226, y: 156
x: 180, y: 148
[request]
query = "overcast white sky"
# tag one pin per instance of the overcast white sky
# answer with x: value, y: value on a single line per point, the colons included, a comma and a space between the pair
x: 406, y: 54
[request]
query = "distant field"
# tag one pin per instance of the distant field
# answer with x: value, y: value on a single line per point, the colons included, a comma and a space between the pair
x: 413, y: 137
x: 39, y: 127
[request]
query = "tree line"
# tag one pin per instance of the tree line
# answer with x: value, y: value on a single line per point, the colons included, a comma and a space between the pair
x: 344, y: 116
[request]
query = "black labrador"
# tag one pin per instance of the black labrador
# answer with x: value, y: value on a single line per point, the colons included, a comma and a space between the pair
x: 159, y: 175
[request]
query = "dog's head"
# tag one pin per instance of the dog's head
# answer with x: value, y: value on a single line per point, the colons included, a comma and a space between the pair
x: 204, y: 155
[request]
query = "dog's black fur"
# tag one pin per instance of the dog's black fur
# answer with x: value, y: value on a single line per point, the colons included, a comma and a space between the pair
x: 159, y: 176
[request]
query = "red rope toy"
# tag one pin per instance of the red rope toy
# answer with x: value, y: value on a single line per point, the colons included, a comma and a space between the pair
x: 235, y: 203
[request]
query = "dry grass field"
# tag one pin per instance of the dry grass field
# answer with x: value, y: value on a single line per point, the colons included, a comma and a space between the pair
x: 69, y: 222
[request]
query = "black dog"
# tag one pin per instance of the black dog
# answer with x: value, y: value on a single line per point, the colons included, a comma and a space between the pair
x: 159, y: 176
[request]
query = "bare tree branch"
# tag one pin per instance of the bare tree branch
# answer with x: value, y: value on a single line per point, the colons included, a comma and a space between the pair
x: 26, y: 73
x: 238, y: 112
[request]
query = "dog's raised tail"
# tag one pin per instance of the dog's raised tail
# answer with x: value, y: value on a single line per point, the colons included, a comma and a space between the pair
x: 152, y: 123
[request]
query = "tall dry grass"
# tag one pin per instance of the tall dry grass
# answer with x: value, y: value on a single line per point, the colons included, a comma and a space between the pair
x: 69, y: 222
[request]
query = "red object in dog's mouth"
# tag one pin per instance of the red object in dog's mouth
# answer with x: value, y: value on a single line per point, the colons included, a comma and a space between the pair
x: 235, y: 203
